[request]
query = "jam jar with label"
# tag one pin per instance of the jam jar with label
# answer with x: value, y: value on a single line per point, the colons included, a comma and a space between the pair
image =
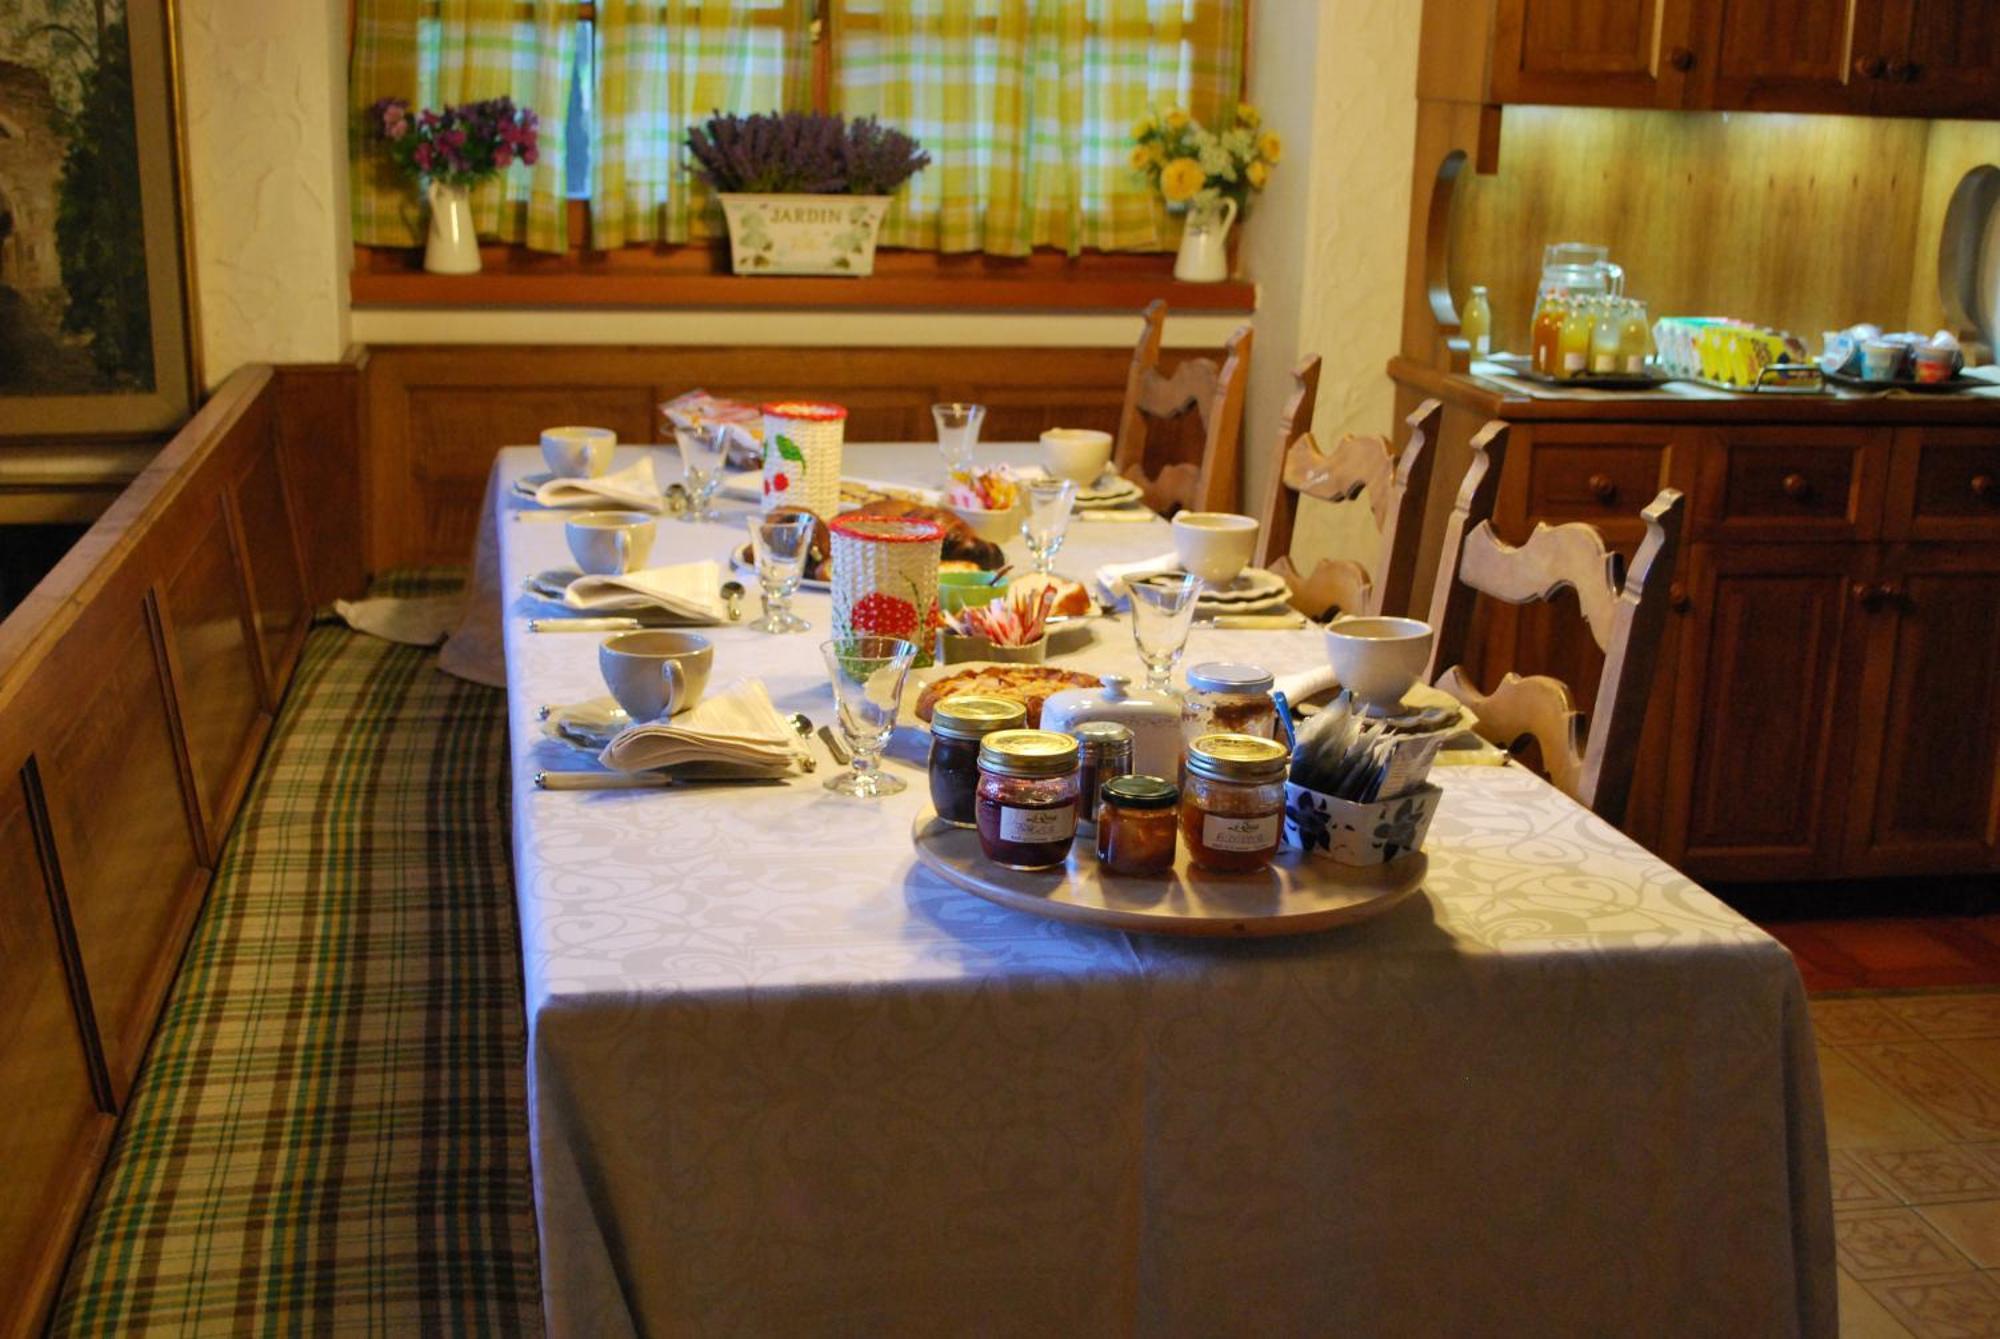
x: 957, y: 726
x: 1228, y: 698
x: 1135, y: 825
x: 1026, y: 806
x: 1233, y: 803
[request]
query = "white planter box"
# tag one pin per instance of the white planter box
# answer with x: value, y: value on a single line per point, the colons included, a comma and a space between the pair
x: 804, y: 234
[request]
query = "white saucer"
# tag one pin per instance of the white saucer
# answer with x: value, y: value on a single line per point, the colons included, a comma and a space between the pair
x: 1253, y: 586
x: 586, y: 726
x: 552, y: 584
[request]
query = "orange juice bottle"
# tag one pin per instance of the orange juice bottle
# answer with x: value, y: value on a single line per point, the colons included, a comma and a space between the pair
x: 1573, y: 345
x: 1546, y: 335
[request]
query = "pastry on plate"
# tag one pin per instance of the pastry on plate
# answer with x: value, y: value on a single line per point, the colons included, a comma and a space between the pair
x: 1030, y: 685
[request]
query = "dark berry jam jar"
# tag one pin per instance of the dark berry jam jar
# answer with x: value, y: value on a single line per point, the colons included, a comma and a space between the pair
x: 957, y: 726
x: 1027, y: 798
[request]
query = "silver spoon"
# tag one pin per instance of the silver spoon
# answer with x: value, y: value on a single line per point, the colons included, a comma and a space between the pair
x: 732, y: 596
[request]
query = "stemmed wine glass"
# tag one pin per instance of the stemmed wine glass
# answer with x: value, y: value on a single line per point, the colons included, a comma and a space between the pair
x: 781, y: 540
x: 1047, y: 522
x: 704, y: 451
x: 868, y: 675
x: 1162, y: 612
x: 958, y: 433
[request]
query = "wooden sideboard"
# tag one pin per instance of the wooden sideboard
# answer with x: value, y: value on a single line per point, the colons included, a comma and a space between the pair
x: 1828, y: 698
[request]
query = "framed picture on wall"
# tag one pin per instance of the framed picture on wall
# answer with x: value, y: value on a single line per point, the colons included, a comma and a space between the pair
x: 95, y: 335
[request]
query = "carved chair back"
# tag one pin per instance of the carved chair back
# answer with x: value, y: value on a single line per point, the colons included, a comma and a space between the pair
x: 1624, y: 607
x: 1358, y: 468
x: 1213, y: 393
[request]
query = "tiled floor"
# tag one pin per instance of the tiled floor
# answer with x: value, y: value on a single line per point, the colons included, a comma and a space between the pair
x: 1912, y: 1085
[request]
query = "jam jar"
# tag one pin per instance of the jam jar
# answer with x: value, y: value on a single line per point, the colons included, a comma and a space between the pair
x: 957, y: 726
x: 1136, y: 825
x: 1026, y: 808
x: 1103, y: 750
x: 1227, y: 698
x: 1233, y: 803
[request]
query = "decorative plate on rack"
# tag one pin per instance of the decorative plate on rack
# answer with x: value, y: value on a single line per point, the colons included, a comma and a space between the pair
x: 1297, y: 894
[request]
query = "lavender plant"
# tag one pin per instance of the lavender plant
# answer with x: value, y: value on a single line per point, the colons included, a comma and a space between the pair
x: 803, y: 153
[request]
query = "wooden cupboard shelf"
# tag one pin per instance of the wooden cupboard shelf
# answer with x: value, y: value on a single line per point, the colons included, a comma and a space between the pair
x: 694, y: 277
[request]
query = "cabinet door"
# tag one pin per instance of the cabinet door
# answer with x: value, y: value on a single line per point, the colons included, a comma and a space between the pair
x: 1755, y: 747
x: 1606, y: 53
x: 1927, y: 750
x: 1782, y: 55
x: 1937, y: 58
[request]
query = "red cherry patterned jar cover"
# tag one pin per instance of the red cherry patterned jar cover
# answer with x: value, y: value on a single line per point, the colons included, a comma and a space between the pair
x: 885, y: 579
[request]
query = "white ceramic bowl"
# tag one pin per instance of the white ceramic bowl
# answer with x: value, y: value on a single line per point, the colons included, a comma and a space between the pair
x: 1215, y: 545
x: 995, y: 527
x: 1379, y: 659
x: 1079, y: 454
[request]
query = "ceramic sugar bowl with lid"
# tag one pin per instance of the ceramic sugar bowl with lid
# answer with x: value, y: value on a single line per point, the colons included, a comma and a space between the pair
x: 1153, y: 718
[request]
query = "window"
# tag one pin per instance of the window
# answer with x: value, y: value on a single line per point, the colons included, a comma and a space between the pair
x: 1024, y: 105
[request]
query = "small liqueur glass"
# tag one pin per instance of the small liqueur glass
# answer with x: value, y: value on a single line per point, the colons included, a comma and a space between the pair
x: 868, y: 675
x: 958, y: 433
x: 704, y: 449
x: 1050, y: 502
x: 781, y: 541
x: 1162, y: 612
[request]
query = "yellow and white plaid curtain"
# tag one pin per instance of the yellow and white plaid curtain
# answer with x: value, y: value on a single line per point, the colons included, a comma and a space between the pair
x: 664, y: 65
x: 1026, y: 108
x: 436, y: 53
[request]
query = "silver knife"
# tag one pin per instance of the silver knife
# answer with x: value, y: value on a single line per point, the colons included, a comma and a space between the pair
x: 834, y: 746
x: 593, y: 624
x: 601, y: 781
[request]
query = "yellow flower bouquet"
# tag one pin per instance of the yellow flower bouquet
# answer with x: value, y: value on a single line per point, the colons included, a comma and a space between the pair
x: 1195, y: 168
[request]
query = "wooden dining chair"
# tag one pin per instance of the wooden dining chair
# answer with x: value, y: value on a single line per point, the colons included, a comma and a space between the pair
x: 1624, y: 609
x: 1157, y: 404
x: 1358, y: 469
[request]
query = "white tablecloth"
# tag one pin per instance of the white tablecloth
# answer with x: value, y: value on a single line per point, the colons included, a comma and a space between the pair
x: 784, y: 1082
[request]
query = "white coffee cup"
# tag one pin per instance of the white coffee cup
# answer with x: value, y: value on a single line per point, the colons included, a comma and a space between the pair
x: 1378, y: 659
x: 655, y: 674
x: 578, y: 453
x: 1215, y: 545
x: 1079, y: 454
x: 610, y: 543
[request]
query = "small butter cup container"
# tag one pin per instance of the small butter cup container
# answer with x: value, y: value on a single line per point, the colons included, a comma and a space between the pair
x: 1881, y: 360
x: 1935, y: 364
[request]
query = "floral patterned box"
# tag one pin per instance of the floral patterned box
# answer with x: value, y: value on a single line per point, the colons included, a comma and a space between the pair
x: 803, y: 234
x: 1358, y: 834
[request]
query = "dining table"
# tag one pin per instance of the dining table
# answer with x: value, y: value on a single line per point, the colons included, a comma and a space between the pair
x: 784, y: 1080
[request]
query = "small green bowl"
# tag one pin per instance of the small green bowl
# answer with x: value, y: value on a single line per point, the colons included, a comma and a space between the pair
x: 959, y: 590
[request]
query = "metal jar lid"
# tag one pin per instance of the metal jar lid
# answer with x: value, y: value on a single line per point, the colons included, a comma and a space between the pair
x: 1103, y: 739
x: 1027, y: 753
x: 970, y: 716
x: 1140, y: 792
x: 1250, y: 759
x: 1223, y: 676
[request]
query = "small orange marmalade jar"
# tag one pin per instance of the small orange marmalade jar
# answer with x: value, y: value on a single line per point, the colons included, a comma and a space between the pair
x: 1136, y: 826
x: 1233, y: 802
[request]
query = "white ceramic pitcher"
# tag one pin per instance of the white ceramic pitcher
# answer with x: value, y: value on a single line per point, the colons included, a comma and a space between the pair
x: 453, y: 248
x: 1204, y: 253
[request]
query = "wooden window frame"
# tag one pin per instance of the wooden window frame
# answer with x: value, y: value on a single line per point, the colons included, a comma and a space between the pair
x: 697, y: 274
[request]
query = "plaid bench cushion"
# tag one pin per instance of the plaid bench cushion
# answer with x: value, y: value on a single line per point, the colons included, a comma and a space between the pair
x: 329, y: 1134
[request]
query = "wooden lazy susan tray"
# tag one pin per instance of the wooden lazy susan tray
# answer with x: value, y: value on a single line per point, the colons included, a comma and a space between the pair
x: 1296, y: 895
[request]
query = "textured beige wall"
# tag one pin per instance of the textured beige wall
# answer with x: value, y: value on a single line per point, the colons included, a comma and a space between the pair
x: 265, y: 90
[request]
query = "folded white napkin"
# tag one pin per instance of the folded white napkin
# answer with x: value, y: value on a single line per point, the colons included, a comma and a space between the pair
x: 1111, y: 577
x: 1301, y: 685
x: 633, y: 487
x: 691, y: 592
x: 736, y: 732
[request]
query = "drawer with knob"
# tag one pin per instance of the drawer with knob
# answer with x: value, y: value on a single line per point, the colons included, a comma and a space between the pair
x: 1947, y: 484
x: 1600, y: 482
x: 1785, y: 484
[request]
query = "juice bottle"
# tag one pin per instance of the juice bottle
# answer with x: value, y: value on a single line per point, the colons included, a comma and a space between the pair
x: 1610, y: 316
x: 1634, y: 341
x: 1477, y: 323
x: 1573, y: 348
x: 1547, y: 334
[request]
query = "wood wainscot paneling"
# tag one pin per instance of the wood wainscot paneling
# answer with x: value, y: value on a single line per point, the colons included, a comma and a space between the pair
x: 137, y: 683
x: 320, y: 426
x: 53, y: 1123
x: 436, y: 414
